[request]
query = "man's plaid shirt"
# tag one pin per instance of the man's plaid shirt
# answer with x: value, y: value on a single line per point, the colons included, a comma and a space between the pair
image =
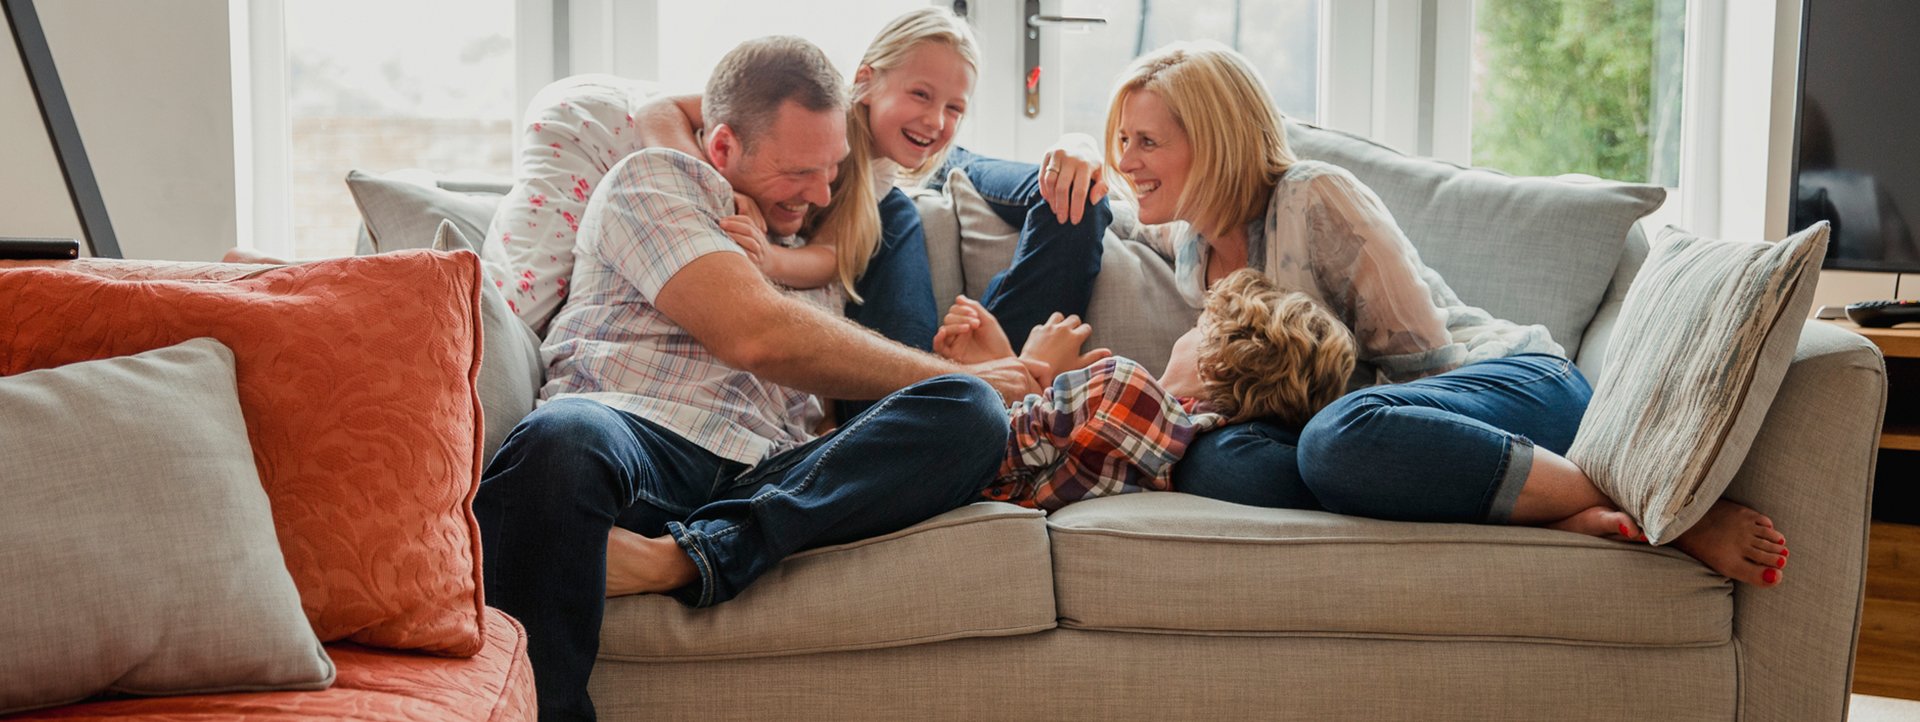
x: 1103, y: 430
x: 656, y: 212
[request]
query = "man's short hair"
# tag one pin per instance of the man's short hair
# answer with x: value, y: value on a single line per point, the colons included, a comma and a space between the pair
x: 749, y: 85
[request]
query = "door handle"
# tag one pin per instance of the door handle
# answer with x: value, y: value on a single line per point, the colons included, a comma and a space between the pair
x: 1030, y: 23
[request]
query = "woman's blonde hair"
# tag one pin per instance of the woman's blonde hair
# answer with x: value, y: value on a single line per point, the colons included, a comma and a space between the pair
x: 1239, y: 145
x: 1267, y: 352
x: 852, y: 218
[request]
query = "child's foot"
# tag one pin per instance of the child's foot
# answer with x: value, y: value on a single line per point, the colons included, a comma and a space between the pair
x: 645, y: 565
x: 1605, y: 522
x: 1739, y: 543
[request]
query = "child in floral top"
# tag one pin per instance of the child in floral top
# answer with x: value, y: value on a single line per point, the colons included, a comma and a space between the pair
x: 1111, y: 428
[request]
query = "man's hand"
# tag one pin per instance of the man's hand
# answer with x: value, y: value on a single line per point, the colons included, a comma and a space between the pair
x: 1010, y: 376
x: 1057, y: 343
x: 970, y: 334
x: 1073, y: 174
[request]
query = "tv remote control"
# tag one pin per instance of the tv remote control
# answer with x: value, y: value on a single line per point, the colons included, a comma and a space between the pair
x: 28, y: 249
x: 1881, y: 314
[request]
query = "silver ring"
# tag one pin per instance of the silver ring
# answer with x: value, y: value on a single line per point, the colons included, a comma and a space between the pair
x: 1055, y: 171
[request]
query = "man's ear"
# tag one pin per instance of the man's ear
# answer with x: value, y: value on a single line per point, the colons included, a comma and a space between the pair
x: 723, y: 147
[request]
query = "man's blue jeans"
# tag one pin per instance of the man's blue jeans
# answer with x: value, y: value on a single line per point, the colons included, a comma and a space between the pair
x: 1449, y: 448
x: 574, y: 468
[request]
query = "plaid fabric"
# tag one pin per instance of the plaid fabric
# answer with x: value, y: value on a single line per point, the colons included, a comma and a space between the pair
x: 656, y: 212
x: 1103, y: 430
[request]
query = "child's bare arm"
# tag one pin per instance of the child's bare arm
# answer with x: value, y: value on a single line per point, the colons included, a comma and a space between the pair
x: 809, y: 266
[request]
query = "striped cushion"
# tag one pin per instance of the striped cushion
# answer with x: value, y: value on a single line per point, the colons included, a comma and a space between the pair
x: 1703, y: 341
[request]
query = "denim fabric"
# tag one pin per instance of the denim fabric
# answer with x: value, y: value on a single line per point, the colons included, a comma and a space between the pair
x: 1449, y: 448
x: 574, y: 468
x: 896, y: 289
x: 1055, y: 266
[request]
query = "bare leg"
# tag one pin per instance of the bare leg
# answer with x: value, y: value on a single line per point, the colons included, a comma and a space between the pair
x: 1731, y: 539
x: 645, y: 565
x: 243, y: 255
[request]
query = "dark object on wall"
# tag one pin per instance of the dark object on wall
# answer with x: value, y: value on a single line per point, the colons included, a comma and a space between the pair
x: 1856, y: 159
x: 82, y: 187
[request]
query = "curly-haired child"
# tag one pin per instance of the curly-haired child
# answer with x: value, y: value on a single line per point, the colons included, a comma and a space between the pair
x: 1109, y: 427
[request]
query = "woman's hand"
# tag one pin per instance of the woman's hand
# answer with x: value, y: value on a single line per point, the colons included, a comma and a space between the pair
x: 1072, y: 175
x: 1056, y: 344
x: 969, y: 334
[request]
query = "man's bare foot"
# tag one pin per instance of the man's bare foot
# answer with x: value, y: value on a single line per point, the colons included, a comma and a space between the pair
x: 243, y: 255
x: 645, y: 565
x: 1737, y: 542
x: 1605, y: 522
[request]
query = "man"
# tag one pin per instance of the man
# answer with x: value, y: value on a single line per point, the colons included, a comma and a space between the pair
x: 675, y: 452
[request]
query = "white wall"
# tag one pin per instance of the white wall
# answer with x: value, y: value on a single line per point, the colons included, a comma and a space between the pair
x: 151, y: 91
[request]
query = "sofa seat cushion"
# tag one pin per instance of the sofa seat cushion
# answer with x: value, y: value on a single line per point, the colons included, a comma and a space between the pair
x: 1177, y: 563
x: 978, y: 571
x: 375, y: 685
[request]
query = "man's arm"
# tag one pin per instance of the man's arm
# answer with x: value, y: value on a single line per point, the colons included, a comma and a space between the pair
x: 725, y: 303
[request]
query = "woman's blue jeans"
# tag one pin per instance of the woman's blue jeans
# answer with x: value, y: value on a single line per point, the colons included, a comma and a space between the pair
x: 574, y: 468
x: 1053, y: 269
x: 1455, y: 447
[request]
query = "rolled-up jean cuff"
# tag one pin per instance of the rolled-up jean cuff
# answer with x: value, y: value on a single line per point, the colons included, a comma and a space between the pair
x: 1514, y: 477
x: 700, y: 592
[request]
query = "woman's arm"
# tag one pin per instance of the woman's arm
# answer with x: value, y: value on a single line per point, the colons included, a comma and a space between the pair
x: 1366, y: 264
x: 671, y: 121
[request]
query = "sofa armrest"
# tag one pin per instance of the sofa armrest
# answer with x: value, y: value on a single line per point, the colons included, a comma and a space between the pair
x: 1811, y: 470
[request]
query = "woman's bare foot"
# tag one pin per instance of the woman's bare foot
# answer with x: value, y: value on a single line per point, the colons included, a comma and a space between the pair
x: 645, y: 565
x: 1603, y: 521
x: 1737, y: 542
x: 244, y: 255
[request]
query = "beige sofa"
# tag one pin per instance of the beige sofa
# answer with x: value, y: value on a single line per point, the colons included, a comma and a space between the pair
x: 1168, y: 605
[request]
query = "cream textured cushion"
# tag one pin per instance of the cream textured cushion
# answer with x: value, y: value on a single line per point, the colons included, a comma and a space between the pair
x: 510, y: 368
x: 978, y: 571
x: 140, y: 554
x: 1703, y: 341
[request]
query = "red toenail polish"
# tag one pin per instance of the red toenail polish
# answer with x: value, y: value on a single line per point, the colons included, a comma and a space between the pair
x: 1770, y: 576
x: 1784, y: 552
x: 1782, y: 564
x: 1624, y: 532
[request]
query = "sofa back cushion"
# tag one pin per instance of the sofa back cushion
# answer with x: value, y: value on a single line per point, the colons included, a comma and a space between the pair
x: 356, y: 376
x: 1529, y: 250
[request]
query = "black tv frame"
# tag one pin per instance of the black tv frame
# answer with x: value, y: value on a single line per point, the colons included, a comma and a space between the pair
x: 31, y: 40
x: 1793, y: 179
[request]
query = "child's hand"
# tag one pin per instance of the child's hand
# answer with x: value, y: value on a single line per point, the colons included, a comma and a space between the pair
x: 752, y: 238
x: 1057, y: 343
x: 969, y: 334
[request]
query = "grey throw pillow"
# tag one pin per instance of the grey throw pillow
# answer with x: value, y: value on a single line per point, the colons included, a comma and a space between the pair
x: 401, y: 213
x: 140, y: 549
x: 1136, y: 309
x: 1701, y: 346
x: 510, y: 368
x: 1528, y: 250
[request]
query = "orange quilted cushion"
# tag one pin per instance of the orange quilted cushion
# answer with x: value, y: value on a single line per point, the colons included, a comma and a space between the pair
x: 374, y: 685
x: 356, y: 377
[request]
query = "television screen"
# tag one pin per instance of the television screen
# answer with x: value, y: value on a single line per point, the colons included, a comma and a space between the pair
x: 1857, y: 157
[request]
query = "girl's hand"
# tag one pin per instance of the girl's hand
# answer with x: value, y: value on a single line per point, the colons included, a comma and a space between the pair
x: 752, y: 238
x: 1072, y: 175
x: 969, y: 334
x: 1057, y: 343
x: 745, y: 206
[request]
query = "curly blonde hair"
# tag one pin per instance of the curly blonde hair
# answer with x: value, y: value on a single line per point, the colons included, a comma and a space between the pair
x: 1267, y: 352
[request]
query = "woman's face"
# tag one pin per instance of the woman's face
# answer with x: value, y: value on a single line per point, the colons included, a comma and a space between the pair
x: 1182, y: 377
x: 1154, y: 155
x: 914, y: 108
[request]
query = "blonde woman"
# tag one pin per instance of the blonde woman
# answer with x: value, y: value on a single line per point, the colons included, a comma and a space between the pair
x: 910, y: 91
x: 1465, y: 416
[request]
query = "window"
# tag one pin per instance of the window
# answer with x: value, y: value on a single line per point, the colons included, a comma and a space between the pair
x: 377, y: 85
x: 1579, y: 86
x: 1280, y: 37
x: 703, y: 32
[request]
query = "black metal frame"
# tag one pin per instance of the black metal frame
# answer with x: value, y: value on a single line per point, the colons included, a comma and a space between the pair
x: 82, y: 187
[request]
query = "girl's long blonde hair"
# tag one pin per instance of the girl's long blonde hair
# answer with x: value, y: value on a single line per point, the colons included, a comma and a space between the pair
x: 1239, y: 145
x: 852, y: 218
